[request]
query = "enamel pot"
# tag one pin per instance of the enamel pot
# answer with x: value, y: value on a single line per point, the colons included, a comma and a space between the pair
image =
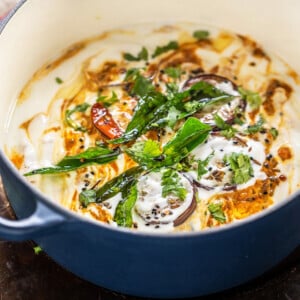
x: 152, y: 265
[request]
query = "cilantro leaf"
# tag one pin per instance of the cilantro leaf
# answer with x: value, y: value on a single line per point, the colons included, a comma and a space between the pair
x: 201, y: 34
x: 241, y: 167
x: 144, y: 152
x: 226, y: 130
x: 172, y: 45
x: 68, y: 116
x: 202, y: 164
x: 251, y: 129
x: 274, y: 132
x: 59, y: 80
x: 37, y: 250
x: 142, y: 55
x: 252, y: 98
x: 171, y: 185
x: 173, y: 72
x: 216, y: 212
x: 108, y: 101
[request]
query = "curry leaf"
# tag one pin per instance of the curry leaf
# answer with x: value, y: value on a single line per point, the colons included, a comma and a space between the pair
x: 173, y: 72
x: 123, y: 214
x: 93, y: 155
x: 111, y: 188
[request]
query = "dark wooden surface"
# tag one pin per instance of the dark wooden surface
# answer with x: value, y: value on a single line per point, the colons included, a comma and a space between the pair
x: 25, y: 275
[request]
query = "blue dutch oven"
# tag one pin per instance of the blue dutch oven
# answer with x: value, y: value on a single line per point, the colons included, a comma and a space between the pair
x: 151, y: 265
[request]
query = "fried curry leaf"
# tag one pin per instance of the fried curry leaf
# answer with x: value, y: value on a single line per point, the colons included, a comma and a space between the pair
x: 142, y: 55
x: 252, y: 98
x: 59, y: 80
x: 201, y: 34
x: 226, y: 130
x: 111, y: 188
x: 123, y: 214
x: 93, y: 155
x: 155, y: 110
x: 189, y: 136
x: 216, y: 212
x: 241, y: 167
x: 172, y: 45
x: 68, y: 116
x: 171, y: 185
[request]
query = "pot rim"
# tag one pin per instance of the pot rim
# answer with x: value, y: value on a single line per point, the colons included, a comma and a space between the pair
x: 58, y: 208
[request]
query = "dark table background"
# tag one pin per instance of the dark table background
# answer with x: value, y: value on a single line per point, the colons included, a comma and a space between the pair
x: 26, y: 275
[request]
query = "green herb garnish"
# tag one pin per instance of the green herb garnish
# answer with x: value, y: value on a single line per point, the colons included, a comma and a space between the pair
x: 216, y: 212
x: 142, y: 55
x: 241, y: 167
x: 93, y: 155
x: 108, y: 101
x: 111, y: 188
x: 226, y: 130
x: 274, y: 132
x: 58, y: 80
x: 37, y: 250
x: 172, y: 45
x: 123, y: 214
x: 201, y: 34
x: 202, y: 164
x: 173, y: 72
x: 251, y: 129
x: 252, y: 98
x: 171, y: 185
x: 68, y: 116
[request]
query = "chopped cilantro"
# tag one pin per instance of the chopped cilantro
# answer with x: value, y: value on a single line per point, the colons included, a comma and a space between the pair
x: 256, y: 127
x: 216, y: 212
x: 173, y: 116
x: 173, y: 45
x: 142, y: 55
x: 144, y: 152
x: 58, y: 80
x: 37, y: 250
x: 108, y: 101
x: 274, y: 132
x: 201, y: 34
x: 226, y: 130
x: 171, y: 184
x: 241, y: 167
x: 173, y: 72
x: 68, y: 116
x: 132, y: 73
x: 202, y: 164
x: 252, y: 98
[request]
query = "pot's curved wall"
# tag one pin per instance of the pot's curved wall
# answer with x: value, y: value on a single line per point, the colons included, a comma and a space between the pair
x: 40, y: 29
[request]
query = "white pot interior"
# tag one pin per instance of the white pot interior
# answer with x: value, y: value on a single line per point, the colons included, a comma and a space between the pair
x: 41, y: 29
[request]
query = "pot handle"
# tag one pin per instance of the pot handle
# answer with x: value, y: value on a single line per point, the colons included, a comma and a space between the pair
x: 42, y: 221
